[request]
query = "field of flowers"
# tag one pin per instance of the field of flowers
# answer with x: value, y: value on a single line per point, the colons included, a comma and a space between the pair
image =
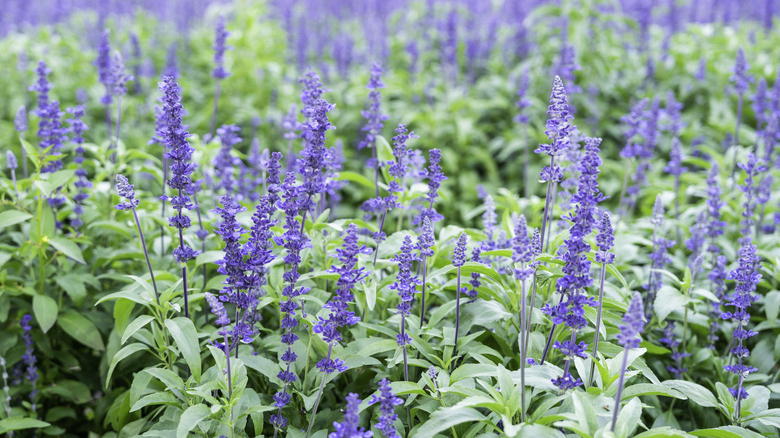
x: 368, y: 218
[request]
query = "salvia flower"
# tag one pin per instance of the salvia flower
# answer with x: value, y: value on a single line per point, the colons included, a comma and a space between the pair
x: 458, y: 260
x: 104, y: 67
x: 717, y: 277
x: 126, y: 192
x: 340, y: 315
x: 489, y: 220
x: 753, y: 167
x: 313, y: 154
x: 387, y: 402
x: 77, y: 128
x: 557, y: 130
x: 523, y: 101
x: 435, y: 178
x: 10, y: 160
x: 225, y: 162
x: 400, y: 167
x: 658, y: 257
x: 522, y: 253
x: 741, y: 78
x: 715, y: 225
x: 20, y: 121
x: 605, y: 239
x: 119, y: 74
x: 220, y: 37
x: 373, y: 115
x: 350, y: 427
x: 232, y: 264
x: 629, y: 337
x: 406, y: 283
x: 672, y: 343
x: 179, y: 153
x: 218, y: 309
x: 747, y: 278
x: 29, y: 358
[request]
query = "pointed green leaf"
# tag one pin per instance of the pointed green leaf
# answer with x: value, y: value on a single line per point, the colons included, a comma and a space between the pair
x: 81, y: 328
x: 186, y: 337
x: 46, y: 310
x: 12, y: 217
x: 67, y: 247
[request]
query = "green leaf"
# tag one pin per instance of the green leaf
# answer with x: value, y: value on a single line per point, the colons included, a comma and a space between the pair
x: 136, y: 325
x: 346, y: 175
x: 80, y: 328
x: 695, y: 392
x: 46, y: 310
x: 444, y: 418
x: 638, y: 389
x: 668, y: 300
x: 628, y: 418
x: 183, y: 331
x: 726, y: 432
x: 122, y: 354
x: 19, y: 423
x: 67, y: 247
x: 663, y: 432
x: 12, y: 217
x: 190, y: 419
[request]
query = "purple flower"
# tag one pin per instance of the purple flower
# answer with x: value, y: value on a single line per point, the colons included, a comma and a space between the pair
x: 567, y: 65
x: 605, y: 240
x: 218, y: 309
x: 313, y: 154
x: 489, y: 219
x: 435, y: 178
x: 349, y: 276
x: 658, y: 257
x: 119, y: 75
x: 522, y: 252
x: 672, y: 343
x: 220, y: 36
x: 523, y: 101
x: 761, y: 104
x: 741, y: 78
x: 293, y: 240
x: 232, y: 264
x: 715, y: 225
x: 747, y: 278
x: 104, y: 67
x: 10, y: 160
x: 674, y: 166
x: 373, y: 115
x: 387, y: 402
x: 400, y: 167
x: 406, y: 282
x: 179, y: 153
x: 459, y: 253
x: 633, y: 324
x: 426, y: 240
x: 557, y: 130
x: 225, y: 163
x: 672, y: 115
x: 349, y: 428
x: 752, y: 168
x: 77, y: 128
x: 29, y: 358
x: 125, y: 190
x: 20, y: 121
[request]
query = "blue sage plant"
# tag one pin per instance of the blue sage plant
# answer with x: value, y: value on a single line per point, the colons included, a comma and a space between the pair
x: 629, y: 337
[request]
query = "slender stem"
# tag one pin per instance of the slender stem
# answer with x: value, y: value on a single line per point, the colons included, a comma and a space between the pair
x: 146, y: 255
x: 319, y: 395
x: 619, y: 389
x: 16, y: 189
x: 598, y: 324
x: 214, y: 113
x: 547, y: 202
x: 229, y: 378
x: 376, y: 169
x: 547, y: 345
x: 523, y: 351
x: 424, y: 264
x: 406, y: 357
x: 735, y: 146
x: 381, y: 226
x: 184, y: 274
x: 457, y: 320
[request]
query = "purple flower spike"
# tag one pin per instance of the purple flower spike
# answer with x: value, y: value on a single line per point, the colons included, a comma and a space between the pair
x: 435, y: 178
x: 10, y: 160
x: 459, y: 253
x: 406, y: 283
x: 104, y: 67
x: 125, y: 190
x: 387, y: 402
x: 633, y: 323
x: 374, y: 117
x: 29, y: 358
x: 225, y: 163
x: 522, y: 252
x: 218, y: 309
x: 220, y: 36
x: 747, y: 278
x: 753, y: 167
x: 558, y: 127
x: 349, y: 428
x: 604, y: 240
x: 741, y: 78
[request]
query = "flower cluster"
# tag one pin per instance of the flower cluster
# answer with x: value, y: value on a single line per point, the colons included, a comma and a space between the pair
x: 29, y: 358
x: 314, y: 151
x: 179, y: 153
x: 405, y: 283
x: 605, y: 239
x: 387, y: 402
x: 125, y: 190
x: 225, y: 162
x: 220, y: 36
x: 522, y: 252
x: 350, y: 427
x: 104, y: 68
x: 557, y: 130
x: 747, y: 278
x: 77, y: 128
x: 119, y: 75
x: 373, y: 115
x: 293, y: 240
x: 753, y: 167
x: 741, y: 78
x: 659, y: 256
x: 400, y: 167
x: 523, y: 101
x: 340, y: 315
x: 435, y: 178
x: 672, y: 343
x: 715, y: 225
